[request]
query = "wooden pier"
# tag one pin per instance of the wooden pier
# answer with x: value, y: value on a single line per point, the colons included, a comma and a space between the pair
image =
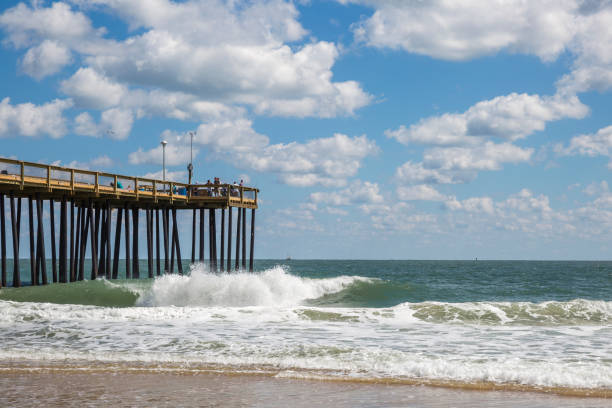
x: 89, y: 198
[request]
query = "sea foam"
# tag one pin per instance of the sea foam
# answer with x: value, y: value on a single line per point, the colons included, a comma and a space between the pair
x: 273, y: 287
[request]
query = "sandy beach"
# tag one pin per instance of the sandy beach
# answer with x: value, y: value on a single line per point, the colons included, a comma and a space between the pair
x: 25, y: 385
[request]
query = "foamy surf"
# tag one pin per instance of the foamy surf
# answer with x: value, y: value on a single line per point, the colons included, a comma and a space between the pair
x: 272, y: 287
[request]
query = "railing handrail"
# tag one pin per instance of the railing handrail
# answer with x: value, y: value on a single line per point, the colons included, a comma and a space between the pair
x: 138, y: 182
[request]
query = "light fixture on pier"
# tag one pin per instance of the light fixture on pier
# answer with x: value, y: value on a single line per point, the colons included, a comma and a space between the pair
x: 190, y: 165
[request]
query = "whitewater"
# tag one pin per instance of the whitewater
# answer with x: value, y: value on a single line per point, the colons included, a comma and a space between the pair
x: 426, y: 323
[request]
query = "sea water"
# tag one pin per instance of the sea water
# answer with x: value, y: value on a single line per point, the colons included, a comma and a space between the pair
x: 501, y: 323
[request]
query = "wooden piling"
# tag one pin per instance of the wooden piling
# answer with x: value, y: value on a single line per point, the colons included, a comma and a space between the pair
x: 210, y: 240
x: 172, y: 246
x: 33, y: 277
x: 77, y: 243
x: 222, y: 240
x: 102, y: 242
x: 128, y: 265
x: 109, y: 220
x: 252, y: 240
x: 93, y: 215
x: 157, y: 242
x: 63, y: 241
x: 135, y: 260
x: 53, y: 249
x: 165, y: 227
x: 193, y: 236
x: 229, y: 239
x: 244, y: 238
x: 201, y: 235
x: 117, y: 243
x: 3, y: 241
x: 179, y: 261
x: 238, y: 239
x: 150, y: 241
x: 15, y: 230
x: 83, y: 247
x: 42, y: 259
x: 72, y: 240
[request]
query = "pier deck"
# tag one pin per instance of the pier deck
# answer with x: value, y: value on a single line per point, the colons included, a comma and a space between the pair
x: 102, y: 199
x: 24, y: 179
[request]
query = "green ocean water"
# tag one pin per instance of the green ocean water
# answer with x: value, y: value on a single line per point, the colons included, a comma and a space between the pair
x: 392, y: 282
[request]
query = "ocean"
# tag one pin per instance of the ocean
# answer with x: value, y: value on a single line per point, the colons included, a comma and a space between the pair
x: 499, y: 325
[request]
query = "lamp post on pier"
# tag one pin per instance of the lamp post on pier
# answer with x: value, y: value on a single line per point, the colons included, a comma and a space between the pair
x: 164, y: 143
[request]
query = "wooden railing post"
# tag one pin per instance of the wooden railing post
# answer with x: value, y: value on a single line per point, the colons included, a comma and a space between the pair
x: 154, y: 190
x: 136, y: 186
x: 97, y: 186
x: 71, y: 180
x: 115, y: 183
x: 49, y: 177
x: 22, y: 175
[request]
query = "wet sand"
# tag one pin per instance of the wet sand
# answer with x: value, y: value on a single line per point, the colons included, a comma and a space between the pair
x: 75, y: 388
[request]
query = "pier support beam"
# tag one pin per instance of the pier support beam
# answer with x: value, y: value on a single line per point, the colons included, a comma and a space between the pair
x: 3, y: 241
x: 117, y: 243
x: 83, y: 247
x: 238, y: 239
x: 201, y: 235
x: 222, y: 240
x: 33, y: 275
x: 102, y: 241
x: 109, y: 220
x: 193, y: 236
x: 252, y: 239
x: 150, y: 242
x: 77, y: 243
x: 135, y: 260
x: 229, y: 239
x: 71, y: 240
x: 157, y: 242
x: 42, y: 259
x: 93, y: 215
x: 177, y: 243
x: 165, y: 223
x: 128, y: 265
x: 53, y: 249
x: 15, y: 227
x: 244, y: 238
x: 63, y: 240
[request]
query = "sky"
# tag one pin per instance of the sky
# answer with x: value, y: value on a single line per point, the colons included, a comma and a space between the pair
x: 374, y: 129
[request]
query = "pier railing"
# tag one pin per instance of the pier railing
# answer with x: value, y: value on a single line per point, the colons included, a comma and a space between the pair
x: 50, y: 178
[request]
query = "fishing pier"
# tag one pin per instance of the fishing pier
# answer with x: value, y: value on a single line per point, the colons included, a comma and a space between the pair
x: 89, y: 198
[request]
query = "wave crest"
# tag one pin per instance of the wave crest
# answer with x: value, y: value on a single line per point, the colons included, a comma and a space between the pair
x: 273, y: 287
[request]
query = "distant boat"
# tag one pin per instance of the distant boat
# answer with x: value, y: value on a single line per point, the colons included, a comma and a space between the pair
x: 288, y: 258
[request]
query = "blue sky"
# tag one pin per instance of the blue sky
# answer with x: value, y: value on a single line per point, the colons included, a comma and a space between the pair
x: 374, y: 129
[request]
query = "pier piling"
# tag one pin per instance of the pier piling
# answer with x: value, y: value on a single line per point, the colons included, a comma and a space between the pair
x: 252, y: 240
x: 52, y: 232
x: 135, y: 260
x: 33, y: 276
x: 243, y: 238
x: 3, y: 241
x: 229, y: 239
x: 238, y: 239
x: 15, y: 226
x: 128, y: 265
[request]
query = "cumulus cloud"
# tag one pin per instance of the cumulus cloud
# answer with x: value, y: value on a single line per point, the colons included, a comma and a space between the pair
x: 510, y: 117
x: 176, y: 152
x: 324, y: 161
x: 45, y: 59
x: 114, y: 123
x: 358, y: 192
x: 464, y: 30
x: 597, y: 144
x: 31, y: 120
x: 420, y: 192
x: 224, y: 52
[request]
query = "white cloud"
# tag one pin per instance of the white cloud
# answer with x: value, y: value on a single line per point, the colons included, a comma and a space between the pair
x: 31, y: 120
x: 419, y: 192
x: 473, y: 205
x: 598, y: 144
x: 26, y: 26
x: 179, y: 176
x: 326, y: 161
x: 464, y: 30
x: 510, y: 117
x: 358, y: 192
x: 45, y: 59
x: 114, y: 123
x: 597, y: 188
x: 177, y: 152
x: 89, y: 89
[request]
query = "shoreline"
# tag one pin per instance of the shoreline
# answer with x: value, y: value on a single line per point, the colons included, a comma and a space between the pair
x: 268, y: 372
